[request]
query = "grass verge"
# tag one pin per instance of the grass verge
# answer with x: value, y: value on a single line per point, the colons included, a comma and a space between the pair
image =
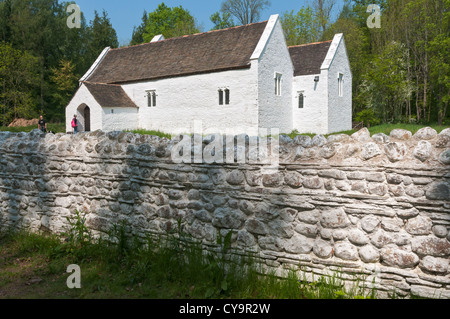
x: 34, y: 266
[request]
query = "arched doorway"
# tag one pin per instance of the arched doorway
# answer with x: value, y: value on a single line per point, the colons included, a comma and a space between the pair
x: 87, y: 119
x: 84, y: 118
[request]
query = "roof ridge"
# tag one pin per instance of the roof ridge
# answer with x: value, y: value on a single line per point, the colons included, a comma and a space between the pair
x: 305, y: 44
x: 190, y: 35
x: 99, y: 83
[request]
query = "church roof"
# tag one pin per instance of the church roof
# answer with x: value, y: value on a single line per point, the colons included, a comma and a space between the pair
x: 308, y: 58
x: 108, y: 95
x: 206, y: 52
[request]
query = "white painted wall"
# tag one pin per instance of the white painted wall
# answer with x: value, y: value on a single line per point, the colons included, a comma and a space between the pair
x: 120, y: 118
x: 84, y: 97
x: 313, y: 117
x: 324, y: 111
x: 340, y: 108
x: 183, y: 100
x: 275, y: 111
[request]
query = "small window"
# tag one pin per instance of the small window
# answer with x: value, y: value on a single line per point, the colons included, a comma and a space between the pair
x: 301, y: 100
x: 220, y: 97
x: 151, y: 98
x: 278, y: 84
x: 341, y: 84
x: 227, y: 96
x: 224, y: 96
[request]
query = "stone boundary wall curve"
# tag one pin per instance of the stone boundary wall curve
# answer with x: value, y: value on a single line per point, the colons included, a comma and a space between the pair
x: 377, y: 207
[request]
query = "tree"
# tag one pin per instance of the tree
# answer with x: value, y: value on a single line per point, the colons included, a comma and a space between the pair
x: 65, y: 81
x: 101, y: 34
x: 245, y: 11
x: 17, y: 77
x: 301, y: 27
x: 323, y: 9
x: 138, y: 32
x: 170, y: 22
x: 385, y: 84
x: 222, y: 22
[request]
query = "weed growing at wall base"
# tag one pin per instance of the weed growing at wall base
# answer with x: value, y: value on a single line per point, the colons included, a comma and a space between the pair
x: 152, y: 267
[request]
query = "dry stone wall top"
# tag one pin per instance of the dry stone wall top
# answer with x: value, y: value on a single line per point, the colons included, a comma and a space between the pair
x: 378, y: 206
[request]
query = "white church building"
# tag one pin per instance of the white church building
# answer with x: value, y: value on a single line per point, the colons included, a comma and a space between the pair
x: 235, y: 80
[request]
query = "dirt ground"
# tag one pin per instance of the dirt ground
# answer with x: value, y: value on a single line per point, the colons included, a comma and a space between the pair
x: 23, y: 123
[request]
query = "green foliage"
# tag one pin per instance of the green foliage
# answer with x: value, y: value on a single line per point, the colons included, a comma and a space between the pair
x: 301, y: 27
x: 170, y: 22
x: 150, y: 132
x: 17, y: 77
x: 223, y: 21
x: 65, y: 81
x: 38, y: 29
x: 138, y: 32
x: 368, y: 117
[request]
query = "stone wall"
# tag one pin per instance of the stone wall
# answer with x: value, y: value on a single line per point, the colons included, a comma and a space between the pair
x: 370, y: 207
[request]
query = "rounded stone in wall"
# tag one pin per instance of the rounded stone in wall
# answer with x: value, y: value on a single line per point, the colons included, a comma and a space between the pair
x: 423, y: 151
x: 401, y: 134
x: 395, y: 151
x: 431, y: 246
x: 444, y: 157
x: 322, y: 248
x: 346, y: 251
x: 236, y: 177
x: 255, y: 226
x: 303, y: 140
x: 435, y: 265
x: 340, y: 234
x: 272, y: 180
x: 357, y: 237
x: 370, y: 150
x: 298, y: 244
x: 369, y: 254
x: 381, y: 238
x: 334, y: 218
x: 419, y: 225
x: 293, y: 179
x: 253, y: 178
x: 438, y: 191
x: 440, y: 231
x: 307, y: 230
x: 425, y: 133
x: 245, y: 238
x: 399, y: 258
x: 443, y: 141
x: 310, y: 217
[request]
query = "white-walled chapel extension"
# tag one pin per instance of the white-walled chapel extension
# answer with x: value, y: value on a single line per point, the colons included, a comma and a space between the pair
x: 236, y: 80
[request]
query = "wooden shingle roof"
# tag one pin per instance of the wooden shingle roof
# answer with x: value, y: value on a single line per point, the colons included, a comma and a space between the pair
x: 308, y: 58
x: 207, y: 52
x: 108, y: 95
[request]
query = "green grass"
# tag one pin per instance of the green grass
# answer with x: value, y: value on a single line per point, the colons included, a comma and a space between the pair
x: 34, y: 266
x: 383, y: 128
x: 150, y: 132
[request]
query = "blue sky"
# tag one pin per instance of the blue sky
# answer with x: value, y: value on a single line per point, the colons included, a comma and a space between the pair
x: 124, y: 15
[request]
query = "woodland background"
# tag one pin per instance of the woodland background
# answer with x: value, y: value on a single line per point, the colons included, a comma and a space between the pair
x: 401, y: 71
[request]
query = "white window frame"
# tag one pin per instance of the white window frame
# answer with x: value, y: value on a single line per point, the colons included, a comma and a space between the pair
x: 340, y: 77
x: 151, y: 98
x: 278, y: 80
